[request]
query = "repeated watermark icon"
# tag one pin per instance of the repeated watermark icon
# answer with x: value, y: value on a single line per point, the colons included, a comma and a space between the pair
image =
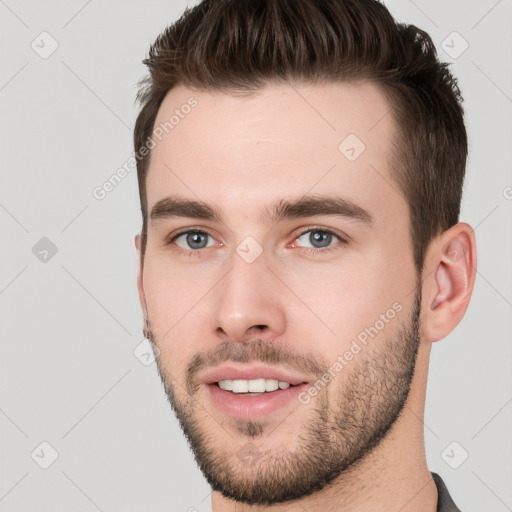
x: 101, y: 191
x: 455, y: 250
x: 249, y: 454
x: 507, y: 193
x: 44, y: 250
x: 146, y: 352
x: 454, y: 45
x: 356, y: 346
x: 351, y: 147
x: 249, y: 249
x: 44, y: 455
x: 455, y: 455
x: 45, y: 45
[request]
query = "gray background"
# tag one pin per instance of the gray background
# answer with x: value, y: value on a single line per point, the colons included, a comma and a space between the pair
x: 71, y: 321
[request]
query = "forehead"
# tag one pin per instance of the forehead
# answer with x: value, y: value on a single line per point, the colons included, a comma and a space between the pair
x: 284, y: 139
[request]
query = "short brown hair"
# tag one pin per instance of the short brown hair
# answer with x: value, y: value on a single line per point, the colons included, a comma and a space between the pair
x: 243, y: 45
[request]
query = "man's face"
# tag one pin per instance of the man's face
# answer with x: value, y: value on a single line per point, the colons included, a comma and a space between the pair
x: 328, y: 302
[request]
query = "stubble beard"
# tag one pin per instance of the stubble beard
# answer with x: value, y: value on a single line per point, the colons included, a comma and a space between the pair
x: 343, y: 426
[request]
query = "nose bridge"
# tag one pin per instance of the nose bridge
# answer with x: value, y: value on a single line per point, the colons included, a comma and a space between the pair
x: 249, y: 296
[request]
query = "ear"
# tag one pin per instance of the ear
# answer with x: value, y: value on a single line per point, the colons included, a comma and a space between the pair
x: 140, y: 286
x: 449, y: 277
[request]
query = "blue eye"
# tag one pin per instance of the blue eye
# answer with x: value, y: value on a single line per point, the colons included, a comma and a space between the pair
x: 195, y: 239
x: 318, y: 238
x: 321, y: 241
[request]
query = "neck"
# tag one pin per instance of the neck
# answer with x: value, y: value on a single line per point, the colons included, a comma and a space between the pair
x: 394, y: 476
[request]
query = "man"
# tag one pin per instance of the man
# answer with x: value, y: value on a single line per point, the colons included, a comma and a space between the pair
x: 300, y: 168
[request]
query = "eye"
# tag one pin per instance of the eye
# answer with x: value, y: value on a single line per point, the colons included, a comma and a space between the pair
x: 192, y: 239
x: 320, y: 239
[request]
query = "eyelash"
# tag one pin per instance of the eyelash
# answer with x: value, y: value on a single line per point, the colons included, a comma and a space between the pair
x: 308, y: 250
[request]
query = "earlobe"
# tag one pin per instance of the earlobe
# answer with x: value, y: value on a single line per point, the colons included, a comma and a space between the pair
x: 449, y: 286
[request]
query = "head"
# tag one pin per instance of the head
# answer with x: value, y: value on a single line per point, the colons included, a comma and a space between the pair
x: 318, y: 151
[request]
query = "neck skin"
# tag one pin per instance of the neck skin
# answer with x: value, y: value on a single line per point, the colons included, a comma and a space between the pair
x: 394, y: 477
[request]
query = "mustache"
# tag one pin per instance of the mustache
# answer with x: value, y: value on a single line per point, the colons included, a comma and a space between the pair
x: 261, y: 351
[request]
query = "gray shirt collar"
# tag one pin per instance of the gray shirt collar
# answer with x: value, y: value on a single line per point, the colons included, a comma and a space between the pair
x: 444, y: 500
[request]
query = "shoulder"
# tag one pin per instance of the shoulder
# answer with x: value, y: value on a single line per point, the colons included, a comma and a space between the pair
x: 444, y: 500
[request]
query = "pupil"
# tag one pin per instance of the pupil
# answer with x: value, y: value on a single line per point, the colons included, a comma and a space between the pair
x: 320, y: 236
x: 195, y: 238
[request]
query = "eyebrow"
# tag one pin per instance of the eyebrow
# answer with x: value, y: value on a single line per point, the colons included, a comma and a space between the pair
x: 306, y: 206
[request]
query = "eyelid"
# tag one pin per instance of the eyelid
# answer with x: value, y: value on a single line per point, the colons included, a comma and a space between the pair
x: 340, y: 235
x: 344, y: 239
x: 173, y: 236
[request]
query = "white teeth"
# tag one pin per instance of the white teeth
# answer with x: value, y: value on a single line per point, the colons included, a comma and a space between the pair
x: 240, y: 386
x: 257, y: 386
x: 226, y: 384
x: 271, y: 385
x: 253, y: 385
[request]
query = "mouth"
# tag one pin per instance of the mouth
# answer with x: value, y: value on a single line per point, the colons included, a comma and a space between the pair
x: 253, y: 387
x: 252, y: 406
x: 253, y: 393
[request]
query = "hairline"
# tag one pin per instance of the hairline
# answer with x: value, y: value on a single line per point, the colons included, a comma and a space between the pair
x: 397, y: 158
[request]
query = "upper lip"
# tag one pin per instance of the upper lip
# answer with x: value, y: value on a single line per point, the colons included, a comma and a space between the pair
x: 232, y: 372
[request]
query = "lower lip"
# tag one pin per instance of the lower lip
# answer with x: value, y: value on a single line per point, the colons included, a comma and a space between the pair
x: 243, y: 407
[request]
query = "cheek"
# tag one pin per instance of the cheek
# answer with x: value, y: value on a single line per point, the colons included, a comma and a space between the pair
x: 337, y: 302
x: 171, y: 289
x: 172, y: 299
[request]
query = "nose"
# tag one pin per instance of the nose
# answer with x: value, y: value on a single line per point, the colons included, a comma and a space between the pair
x: 249, y: 302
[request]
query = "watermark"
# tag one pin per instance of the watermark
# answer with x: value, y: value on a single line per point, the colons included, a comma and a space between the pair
x: 44, y: 250
x: 146, y: 353
x: 454, y: 45
x: 101, y: 191
x: 351, y: 147
x: 455, y: 455
x: 355, y: 347
x: 249, y: 454
x: 44, y: 45
x: 249, y: 249
x: 44, y: 455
